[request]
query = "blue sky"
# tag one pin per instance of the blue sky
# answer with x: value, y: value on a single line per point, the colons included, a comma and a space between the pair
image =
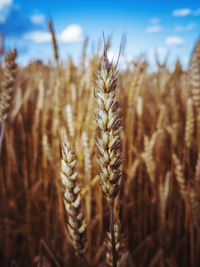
x: 162, y: 25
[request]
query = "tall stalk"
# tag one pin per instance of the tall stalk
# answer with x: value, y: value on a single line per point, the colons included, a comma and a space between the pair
x: 109, y: 141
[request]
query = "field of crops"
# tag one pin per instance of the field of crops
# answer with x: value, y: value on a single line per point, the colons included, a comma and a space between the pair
x: 99, y: 166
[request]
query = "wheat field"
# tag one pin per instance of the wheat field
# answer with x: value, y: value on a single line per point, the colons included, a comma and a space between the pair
x: 99, y: 166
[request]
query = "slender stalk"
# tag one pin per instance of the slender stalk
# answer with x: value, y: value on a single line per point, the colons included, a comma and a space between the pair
x: 54, y: 41
x: 112, y: 231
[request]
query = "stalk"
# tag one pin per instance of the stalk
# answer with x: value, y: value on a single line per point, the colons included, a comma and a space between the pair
x: 109, y: 141
x: 112, y: 231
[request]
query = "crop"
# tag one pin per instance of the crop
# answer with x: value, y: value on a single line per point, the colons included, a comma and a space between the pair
x: 99, y: 165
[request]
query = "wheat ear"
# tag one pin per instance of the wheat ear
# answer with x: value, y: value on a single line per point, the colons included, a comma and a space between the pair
x: 109, y: 142
x: 195, y: 84
x: 148, y: 157
x: 72, y: 198
x: 194, y: 75
x: 6, y: 88
x: 189, y: 127
x: 180, y: 177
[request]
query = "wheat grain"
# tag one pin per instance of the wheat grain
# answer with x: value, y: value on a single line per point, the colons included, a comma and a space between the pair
x: 72, y: 198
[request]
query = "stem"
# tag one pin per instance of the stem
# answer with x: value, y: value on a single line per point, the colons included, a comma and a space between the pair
x: 112, y: 231
x: 41, y: 255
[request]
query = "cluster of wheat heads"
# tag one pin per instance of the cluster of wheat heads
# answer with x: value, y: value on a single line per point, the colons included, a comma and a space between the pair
x: 137, y: 131
x: 108, y: 144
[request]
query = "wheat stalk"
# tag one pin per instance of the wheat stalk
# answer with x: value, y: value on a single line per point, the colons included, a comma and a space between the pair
x: 135, y: 85
x: 197, y: 172
x: 164, y: 189
x: 120, y: 246
x: 54, y: 42
x: 139, y: 106
x: 195, y: 204
x: 70, y: 120
x: 108, y: 143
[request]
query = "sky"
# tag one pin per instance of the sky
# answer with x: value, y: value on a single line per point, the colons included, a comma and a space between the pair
x: 167, y: 26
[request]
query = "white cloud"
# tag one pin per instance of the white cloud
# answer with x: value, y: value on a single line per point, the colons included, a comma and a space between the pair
x: 5, y: 4
x: 185, y: 28
x: 37, y: 19
x: 4, y: 9
x: 72, y: 33
x: 38, y: 36
x: 155, y: 21
x: 154, y: 29
x: 174, y: 40
x: 186, y: 12
x: 182, y: 12
x: 154, y: 26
